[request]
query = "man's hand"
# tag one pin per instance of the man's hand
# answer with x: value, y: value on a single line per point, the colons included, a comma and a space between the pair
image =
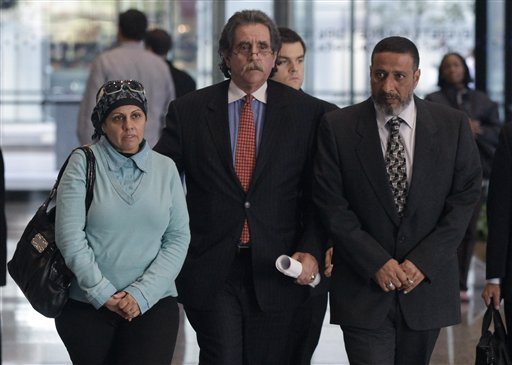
x: 492, y: 292
x: 309, y: 267
x: 476, y: 127
x: 390, y: 276
x: 413, y: 276
x: 328, y: 263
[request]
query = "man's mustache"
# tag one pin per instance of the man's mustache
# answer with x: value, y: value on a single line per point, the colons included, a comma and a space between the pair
x: 252, y: 67
x: 385, y: 95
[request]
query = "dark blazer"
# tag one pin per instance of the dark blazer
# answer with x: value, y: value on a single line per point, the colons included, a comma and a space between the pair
x: 353, y: 196
x: 3, y: 225
x: 277, y: 205
x: 183, y: 82
x: 478, y: 106
x: 499, y: 214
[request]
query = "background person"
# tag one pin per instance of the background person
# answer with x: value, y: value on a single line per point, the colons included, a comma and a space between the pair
x: 309, y: 318
x: 129, y: 248
x: 160, y: 42
x: 248, y: 176
x: 454, y: 79
x: 499, y: 218
x: 129, y: 61
x: 396, y: 199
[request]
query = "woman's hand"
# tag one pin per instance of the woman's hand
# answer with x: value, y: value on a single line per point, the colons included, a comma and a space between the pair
x: 123, y: 304
x: 129, y: 306
x: 113, y: 302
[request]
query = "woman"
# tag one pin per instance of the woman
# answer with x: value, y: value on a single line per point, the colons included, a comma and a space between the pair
x: 128, y: 249
x: 482, y: 112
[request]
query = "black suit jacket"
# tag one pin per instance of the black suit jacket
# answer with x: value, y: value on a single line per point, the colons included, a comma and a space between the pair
x: 183, y: 82
x: 478, y: 106
x: 355, y: 201
x: 3, y: 225
x: 277, y: 205
x: 499, y: 214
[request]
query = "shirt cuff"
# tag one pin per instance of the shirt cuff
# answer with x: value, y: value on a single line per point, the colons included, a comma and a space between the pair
x: 139, y: 298
x: 99, y: 300
x: 493, y: 281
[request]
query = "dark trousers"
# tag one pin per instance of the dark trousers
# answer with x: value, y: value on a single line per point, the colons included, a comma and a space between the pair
x: 467, y: 247
x: 393, y: 343
x: 102, y: 337
x: 306, y: 329
x: 234, y: 330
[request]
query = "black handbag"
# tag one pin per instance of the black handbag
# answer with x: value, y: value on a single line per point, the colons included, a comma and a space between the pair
x: 492, y: 347
x: 37, y: 265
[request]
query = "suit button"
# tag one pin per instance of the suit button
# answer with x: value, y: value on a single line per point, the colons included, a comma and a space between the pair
x: 402, y: 239
x: 247, y: 205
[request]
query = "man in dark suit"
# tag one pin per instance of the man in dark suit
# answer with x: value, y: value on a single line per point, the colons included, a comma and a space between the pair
x: 160, y: 42
x: 395, y: 281
x: 243, y: 217
x: 309, y: 318
x: 499, y: 218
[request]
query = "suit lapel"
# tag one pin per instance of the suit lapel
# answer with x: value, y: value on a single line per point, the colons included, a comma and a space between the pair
x: 424, y: 156
x: 271, y: 130
x: 217, y: 119
x: 371, y: 159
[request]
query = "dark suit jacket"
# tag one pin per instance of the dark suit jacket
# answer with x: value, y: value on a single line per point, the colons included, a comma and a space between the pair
x: 183, y: 82
x: 3, y: 225
x: 353, y: 195
x: 499, y: 214
x: 478, y: 106
x: 277, y: 205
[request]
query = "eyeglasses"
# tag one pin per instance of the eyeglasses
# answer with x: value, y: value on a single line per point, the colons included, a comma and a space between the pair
x: 112, y: 87
x: 245, y: 49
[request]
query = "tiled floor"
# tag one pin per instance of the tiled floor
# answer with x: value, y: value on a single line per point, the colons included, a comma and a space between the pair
x: 29, y: 338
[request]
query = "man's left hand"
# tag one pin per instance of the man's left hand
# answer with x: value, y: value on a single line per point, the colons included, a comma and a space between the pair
x: 414, y: 276
x: 309, y: 267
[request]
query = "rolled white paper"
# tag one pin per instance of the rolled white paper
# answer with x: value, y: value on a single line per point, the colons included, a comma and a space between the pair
x: 293, y: 268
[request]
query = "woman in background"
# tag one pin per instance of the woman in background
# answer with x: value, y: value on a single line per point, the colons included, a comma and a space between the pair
x: 127, y: 250
x: 454, y: 79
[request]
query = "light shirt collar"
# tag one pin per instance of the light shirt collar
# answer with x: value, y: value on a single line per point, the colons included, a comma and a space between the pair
x: 117, y: 160
x: 235, y: 93
x: 408, y: 115
x: 132, y: 44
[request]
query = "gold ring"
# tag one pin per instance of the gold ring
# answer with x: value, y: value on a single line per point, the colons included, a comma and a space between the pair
x: 390, y: 285
x: 312, y: 277
x: 409, y: 281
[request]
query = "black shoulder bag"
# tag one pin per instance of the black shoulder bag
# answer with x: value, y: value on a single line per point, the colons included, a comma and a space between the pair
x: 492, y: 347
x: 37, y: 265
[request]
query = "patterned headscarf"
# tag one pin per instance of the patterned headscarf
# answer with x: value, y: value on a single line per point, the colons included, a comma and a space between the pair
x: 106, y: 102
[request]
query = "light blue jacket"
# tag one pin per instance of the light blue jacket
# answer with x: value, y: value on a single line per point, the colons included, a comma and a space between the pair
x: 136, y: 234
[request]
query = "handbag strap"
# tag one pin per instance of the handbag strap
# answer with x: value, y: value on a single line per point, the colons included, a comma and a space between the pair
x: 493, y: 315
x: 499, y: 328
x: 90, y: 177
x: 486, y: 322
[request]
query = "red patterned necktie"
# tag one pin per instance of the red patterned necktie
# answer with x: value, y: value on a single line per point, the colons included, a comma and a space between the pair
x: 245, y: 156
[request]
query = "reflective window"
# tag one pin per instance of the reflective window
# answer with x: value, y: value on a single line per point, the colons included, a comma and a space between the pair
x: 341, y: 35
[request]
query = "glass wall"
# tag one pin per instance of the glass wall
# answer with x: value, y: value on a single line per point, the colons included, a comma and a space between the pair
x: 341, y: 35
x: 47, y: 47
x: 496, y: 53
